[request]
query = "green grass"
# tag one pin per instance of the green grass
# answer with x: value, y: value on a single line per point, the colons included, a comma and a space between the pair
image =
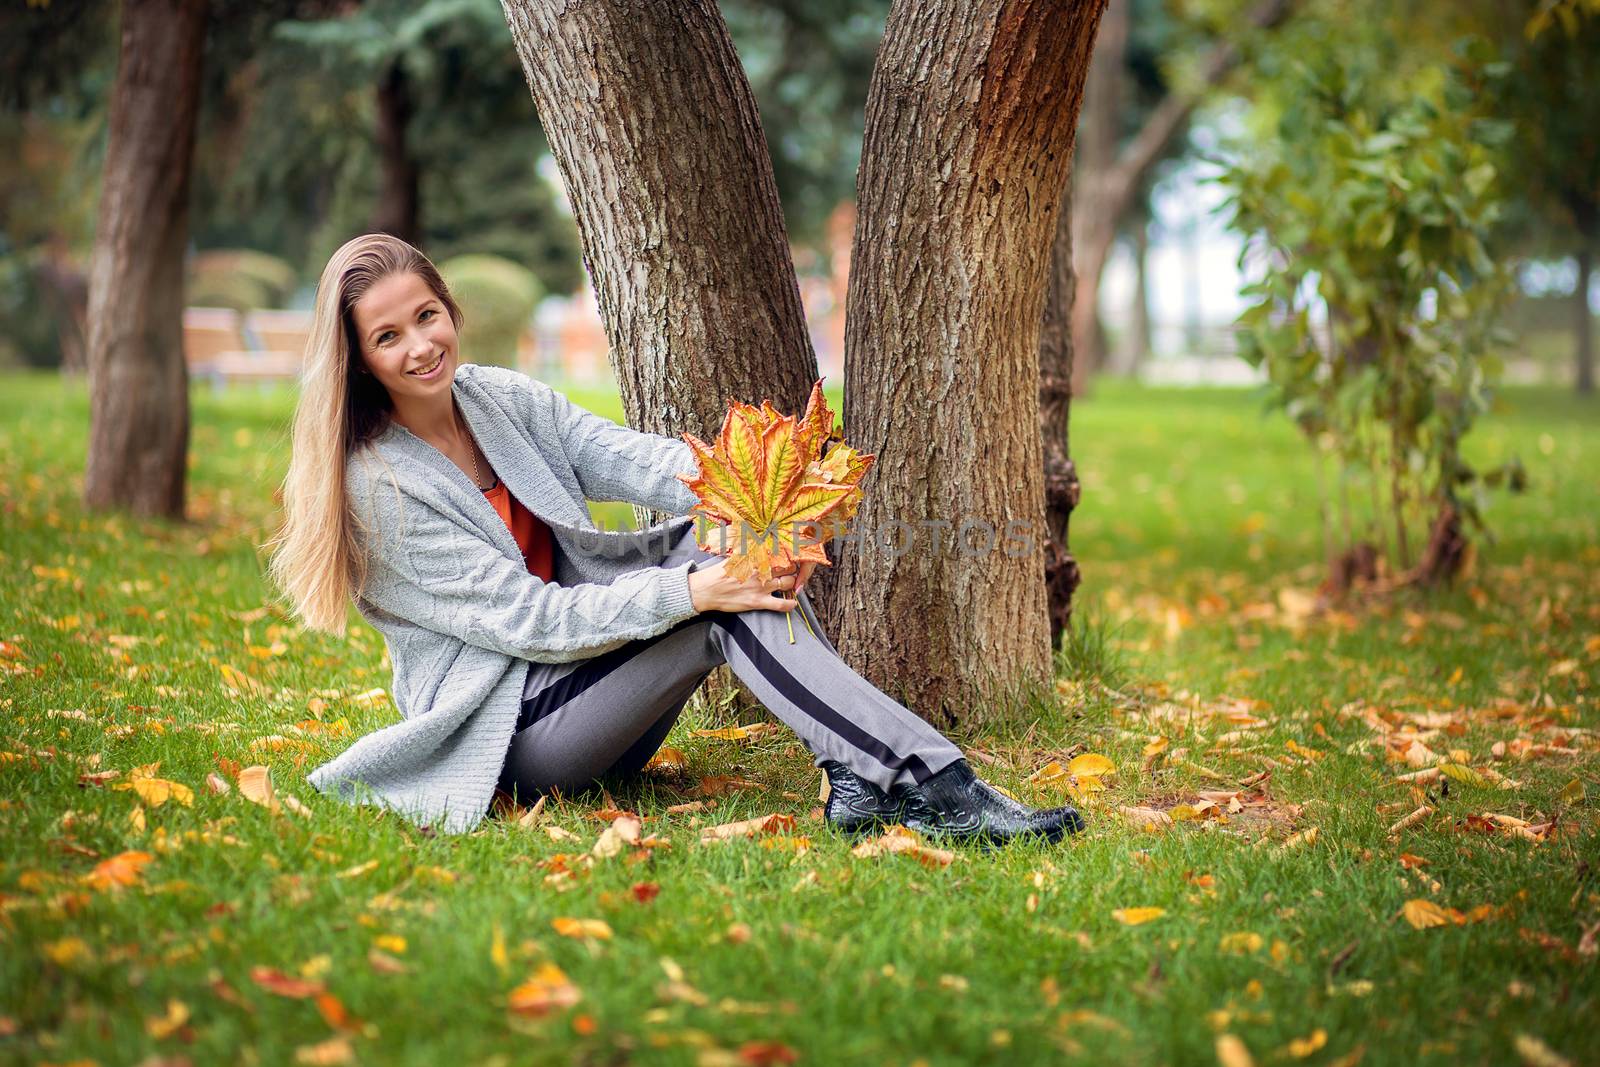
x: 1199, y: 510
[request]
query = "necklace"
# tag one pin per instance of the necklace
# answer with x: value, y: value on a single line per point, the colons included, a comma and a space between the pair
x: 477, y: 476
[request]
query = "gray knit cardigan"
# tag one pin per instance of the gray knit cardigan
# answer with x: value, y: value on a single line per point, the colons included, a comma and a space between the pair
x: 449, y: 591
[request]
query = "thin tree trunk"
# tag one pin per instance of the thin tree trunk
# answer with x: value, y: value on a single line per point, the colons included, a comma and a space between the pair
x: 654, y: 126
x: 1139, y: 332
x: 399, y: 207
x: 138, y: 381
x: 1585, y: 319
x: 1106, y: 194
x: 969, y: 127
x: 1093, y: 158
x: 1061, y: 489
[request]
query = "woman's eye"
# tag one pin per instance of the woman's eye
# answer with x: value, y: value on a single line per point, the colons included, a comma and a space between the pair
x: 385, y: 337
x: 424, y: 316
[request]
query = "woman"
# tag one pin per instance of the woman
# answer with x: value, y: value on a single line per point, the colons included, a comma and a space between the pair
x: 531, y: 650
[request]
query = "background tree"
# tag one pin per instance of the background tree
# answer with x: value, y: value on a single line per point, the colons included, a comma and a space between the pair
x: 1369, y: 207
x: 138, y: 382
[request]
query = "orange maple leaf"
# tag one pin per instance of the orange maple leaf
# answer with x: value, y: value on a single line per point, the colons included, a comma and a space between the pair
x: 771, y: 498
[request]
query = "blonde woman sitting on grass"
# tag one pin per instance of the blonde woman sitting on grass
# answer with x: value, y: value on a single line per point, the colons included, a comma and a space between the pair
x: 531, y: 650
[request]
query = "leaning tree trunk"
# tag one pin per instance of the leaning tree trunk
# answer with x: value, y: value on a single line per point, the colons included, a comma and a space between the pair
x: 1107, y: 191
x: 1061, y: 489
x: 399, y: 207
x: 654, y: 126
x: 138, y: 381
x: 969, y: 125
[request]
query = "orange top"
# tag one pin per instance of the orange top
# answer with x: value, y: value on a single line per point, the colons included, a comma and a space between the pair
x: 529, y: 531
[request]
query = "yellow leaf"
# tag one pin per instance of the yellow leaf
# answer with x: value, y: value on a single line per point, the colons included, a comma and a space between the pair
x: 390, y: 943
x: 582, y: 929
x: 1241, y: 944
x: 1231, y: 1052
x: 667, y: 759
x: 67, y: 951
x: 1301, y: 1047
x: 1464, y: 775
x: 739, y: 733
x: 1572, y: 793
x: 329, y: 1053
x: 1048, y: 773
x: 1090, y: 764
x: 497, y: 950
x: 1307, y: 836
x: 164, y: 1026
x: 1535, y: 1053
x: 899, y: 839
x: 157, y: 791
x: 1137, y: 916
x: 1423, y: 914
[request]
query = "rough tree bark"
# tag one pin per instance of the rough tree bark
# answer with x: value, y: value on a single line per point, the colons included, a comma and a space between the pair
x: 654, y: 126
x: 399, y: 207
x: 1061, y: 488
x: 138, y: 381
x: 1106, y: 190
x: 969, y: 127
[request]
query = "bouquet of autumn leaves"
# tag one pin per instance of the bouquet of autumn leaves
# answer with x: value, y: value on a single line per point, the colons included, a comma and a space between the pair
x: 771, y: 496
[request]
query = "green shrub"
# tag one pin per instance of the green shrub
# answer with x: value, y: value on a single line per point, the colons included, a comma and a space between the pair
x: 497, y: 299
x: 239, y: 278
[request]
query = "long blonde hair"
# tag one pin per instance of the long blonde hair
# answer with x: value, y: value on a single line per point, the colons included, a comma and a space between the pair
x: 317, y: 556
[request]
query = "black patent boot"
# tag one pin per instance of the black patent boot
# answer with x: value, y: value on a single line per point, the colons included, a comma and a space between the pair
x: 956, y: 805
x: 855, y: 804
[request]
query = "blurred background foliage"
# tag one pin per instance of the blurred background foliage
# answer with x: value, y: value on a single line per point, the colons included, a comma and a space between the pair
x: 321, y: 118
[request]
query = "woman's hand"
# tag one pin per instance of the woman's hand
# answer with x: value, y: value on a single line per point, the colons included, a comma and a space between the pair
x: 711, y: 588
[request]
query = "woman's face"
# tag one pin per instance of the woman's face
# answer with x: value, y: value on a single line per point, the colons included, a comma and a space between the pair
x: 407, y: 339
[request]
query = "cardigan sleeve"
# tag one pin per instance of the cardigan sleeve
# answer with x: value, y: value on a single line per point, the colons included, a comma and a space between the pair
x: 615, y: 462
x: 447, y: 579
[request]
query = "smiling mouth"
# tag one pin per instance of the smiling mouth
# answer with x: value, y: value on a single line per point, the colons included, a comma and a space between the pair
x: 429, y: 369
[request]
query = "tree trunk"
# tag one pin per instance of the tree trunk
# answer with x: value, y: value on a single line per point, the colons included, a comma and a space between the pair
x: 1585, y: 319
x: 969, y: 127
x: 138, y: 381
x: 1139, y: 316
x: 1105, y: 194
x: 1093, y: 158
x: 399, y: 207
x: 1061, y: 487
x: 652, y: 122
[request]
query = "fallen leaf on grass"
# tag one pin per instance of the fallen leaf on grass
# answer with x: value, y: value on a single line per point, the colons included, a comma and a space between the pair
x: 1535, y: 1053
x: 668, y: 760
x: 1137, y: 916
x: 764, y: 824
x: 284, y: 985
x: 217, y: 785
x: 255, y: 785
x: 623, y: 831
x: 1424, y: 914
x: 548, y: 990
x: 161, y: 1027
x: 1406, y: 823
x: 384, y: 963
x: 739, y: 733
x: 118, y: 872
x: 1147, y: 818
x: 899, y: 839
x: 1231, y: 1052
x: 1241, y: 944
x: 1308, y: 836
x: 156, y: 791
x: 1571, y: 793
x: 335, y: 1014
x: 1301, y: 1047
x: 329, y: 1053
x: 582, y: 929
x: 766, y: 1053
x: 645, y: 892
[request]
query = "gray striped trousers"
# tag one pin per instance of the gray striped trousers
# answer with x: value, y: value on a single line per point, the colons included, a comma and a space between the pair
x: 610, y: 713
